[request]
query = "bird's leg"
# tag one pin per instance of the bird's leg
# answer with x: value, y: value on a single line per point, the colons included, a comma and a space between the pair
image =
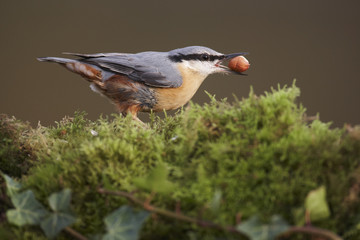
x: 133, y: 110
x: 135, y: 118
x: 141, y: 123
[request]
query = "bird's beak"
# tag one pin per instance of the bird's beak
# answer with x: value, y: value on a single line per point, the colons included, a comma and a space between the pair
x: 223, y: 63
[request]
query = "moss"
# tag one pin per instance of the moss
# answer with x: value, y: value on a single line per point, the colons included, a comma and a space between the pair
x: 261, y: 153
x: 14, y: 150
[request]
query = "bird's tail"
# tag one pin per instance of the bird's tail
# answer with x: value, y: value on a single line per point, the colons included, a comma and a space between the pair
x: 89, y: 72
x: 55, y: 59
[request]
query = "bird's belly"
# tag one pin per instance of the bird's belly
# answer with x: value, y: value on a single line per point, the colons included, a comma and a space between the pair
x: 173, y: 98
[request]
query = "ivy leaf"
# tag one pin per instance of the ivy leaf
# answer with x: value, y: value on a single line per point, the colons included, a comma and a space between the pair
x: 256, y: 230
x: 27, y: 209
x: 60, y: 219
x: 12, y: 186
x: 124, y: 224
x: 60, y: 201
x: 55, y: 222
x: 316, y: 205
x: 156, y: 181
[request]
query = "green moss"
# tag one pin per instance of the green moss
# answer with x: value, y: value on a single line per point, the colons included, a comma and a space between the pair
x: 14, y: 150
x: 260, y: 152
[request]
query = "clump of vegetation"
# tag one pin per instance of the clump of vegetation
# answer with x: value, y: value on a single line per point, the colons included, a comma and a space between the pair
x: 216, y: 171
x: 14, y: 147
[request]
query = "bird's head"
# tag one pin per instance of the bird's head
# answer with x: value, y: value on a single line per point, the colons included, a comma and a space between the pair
x: 203, y: 60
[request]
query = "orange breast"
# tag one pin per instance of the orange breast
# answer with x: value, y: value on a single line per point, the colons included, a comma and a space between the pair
x: 173, y: 98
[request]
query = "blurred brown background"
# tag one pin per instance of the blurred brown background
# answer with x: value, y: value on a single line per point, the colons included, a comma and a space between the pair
x: 316, y: 42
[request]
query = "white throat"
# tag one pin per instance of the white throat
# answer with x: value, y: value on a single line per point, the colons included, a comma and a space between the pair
x: 201, y: 67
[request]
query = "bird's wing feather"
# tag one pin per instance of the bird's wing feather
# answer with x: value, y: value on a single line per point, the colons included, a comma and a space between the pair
x: 144, y: 68
x: 94, y: 55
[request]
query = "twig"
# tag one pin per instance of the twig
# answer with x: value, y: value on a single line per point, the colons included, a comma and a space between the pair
x: 238, y: 218
x: 307, y: 218
x: 75, y: 233
x: 312, y: 230
x: 148, y: 200
x: 178, y: 215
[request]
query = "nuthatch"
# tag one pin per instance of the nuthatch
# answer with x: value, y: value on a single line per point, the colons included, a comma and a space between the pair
x: 148, y: 80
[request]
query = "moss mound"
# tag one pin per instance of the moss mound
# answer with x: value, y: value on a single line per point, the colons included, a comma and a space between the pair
x: 259, y: 156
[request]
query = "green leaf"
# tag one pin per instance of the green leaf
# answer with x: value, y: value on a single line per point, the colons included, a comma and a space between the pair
x: 156, y: 181
x: 60, y: 201
x: 12, y: 186
x: 60, y: 219
x: 124, y: 224
x: 27, y: 209
x: 316, y: 205
x: 256, y: 230
x: 55, y: 222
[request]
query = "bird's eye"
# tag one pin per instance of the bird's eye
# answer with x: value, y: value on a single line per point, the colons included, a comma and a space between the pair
x: 205, y: 56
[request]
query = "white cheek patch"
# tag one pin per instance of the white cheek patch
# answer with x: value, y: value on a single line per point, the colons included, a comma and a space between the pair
x: 202, y: 67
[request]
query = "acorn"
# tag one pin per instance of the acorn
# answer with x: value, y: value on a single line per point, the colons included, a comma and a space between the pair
x: 239, y: 64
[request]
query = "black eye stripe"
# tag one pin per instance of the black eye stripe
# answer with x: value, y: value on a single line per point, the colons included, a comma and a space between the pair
x: 205, y: 56
x: 197, y: 56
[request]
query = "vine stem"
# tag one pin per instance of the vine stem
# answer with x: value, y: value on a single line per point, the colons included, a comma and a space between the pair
x: 170, y: 214
x: 313, y: 230
x: 179, y: 216
x: 75, y: 233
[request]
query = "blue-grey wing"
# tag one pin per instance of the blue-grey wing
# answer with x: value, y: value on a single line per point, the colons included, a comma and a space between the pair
x: 150, y: 68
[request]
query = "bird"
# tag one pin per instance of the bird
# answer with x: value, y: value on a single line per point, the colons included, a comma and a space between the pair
x: 147, y: 81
